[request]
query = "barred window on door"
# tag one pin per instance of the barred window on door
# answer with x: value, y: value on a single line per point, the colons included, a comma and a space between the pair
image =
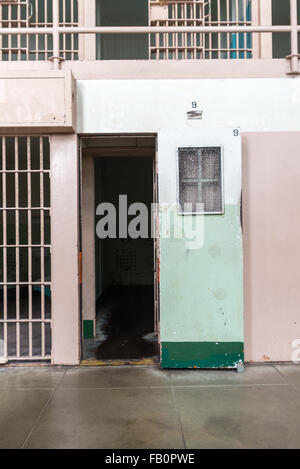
x: 200, y: 180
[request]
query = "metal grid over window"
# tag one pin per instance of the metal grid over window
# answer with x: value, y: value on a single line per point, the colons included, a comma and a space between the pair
x: 25, y: 256
x: 125, y: 261
x: 200, y: 180
x: 168, y: 46
x: 36, y: 14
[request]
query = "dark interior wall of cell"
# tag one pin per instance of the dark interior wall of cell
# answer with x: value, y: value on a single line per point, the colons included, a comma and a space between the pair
x: 281, y: 16
x: 99, y: 183
x: 121, y: 13
x: 124, y: 261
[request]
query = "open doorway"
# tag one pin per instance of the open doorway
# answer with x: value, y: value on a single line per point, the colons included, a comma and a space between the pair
x: 125, y: 325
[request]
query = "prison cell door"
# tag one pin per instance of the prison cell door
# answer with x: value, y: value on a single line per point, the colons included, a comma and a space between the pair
x: 201, y: 273
x: 25, y: 249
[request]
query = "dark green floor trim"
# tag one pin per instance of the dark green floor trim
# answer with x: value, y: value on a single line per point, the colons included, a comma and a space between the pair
x: 201, y: 354
x: 88, y: 329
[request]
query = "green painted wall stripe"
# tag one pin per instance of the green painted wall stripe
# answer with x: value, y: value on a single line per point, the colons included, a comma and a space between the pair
x: 201, y: 354
x: 88, y: 329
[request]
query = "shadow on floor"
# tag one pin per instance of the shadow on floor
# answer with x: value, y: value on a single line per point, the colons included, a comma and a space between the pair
x: 125, y: 324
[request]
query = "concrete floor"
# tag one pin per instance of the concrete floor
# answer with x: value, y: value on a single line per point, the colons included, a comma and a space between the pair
x: 146, y: 407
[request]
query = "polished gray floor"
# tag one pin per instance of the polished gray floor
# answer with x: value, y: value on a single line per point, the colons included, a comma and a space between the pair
x: 146, y: 407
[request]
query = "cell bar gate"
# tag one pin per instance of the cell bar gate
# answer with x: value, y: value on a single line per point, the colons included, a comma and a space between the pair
x: 187, y: 13
x: 25, y: 248
x: 37, y: 14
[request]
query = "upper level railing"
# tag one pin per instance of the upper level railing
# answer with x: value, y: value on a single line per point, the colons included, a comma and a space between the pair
x: 165, y: 30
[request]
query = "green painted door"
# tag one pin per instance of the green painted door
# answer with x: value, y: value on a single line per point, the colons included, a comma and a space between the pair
x: 201, y: 261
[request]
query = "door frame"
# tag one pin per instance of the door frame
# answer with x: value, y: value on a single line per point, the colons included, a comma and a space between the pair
x: 154, y: 232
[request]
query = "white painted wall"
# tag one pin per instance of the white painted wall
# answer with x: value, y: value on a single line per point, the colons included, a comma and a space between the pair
x: 148, y: 105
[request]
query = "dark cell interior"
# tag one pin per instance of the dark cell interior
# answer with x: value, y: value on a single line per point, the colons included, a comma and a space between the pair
x: 281, y: 16
x: 124, y: 267
x: 120, y: 13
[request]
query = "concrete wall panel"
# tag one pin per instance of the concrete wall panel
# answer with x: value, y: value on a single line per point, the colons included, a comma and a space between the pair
x: 65, y: 247
x: 37, y: 101
x: 271, y: 207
